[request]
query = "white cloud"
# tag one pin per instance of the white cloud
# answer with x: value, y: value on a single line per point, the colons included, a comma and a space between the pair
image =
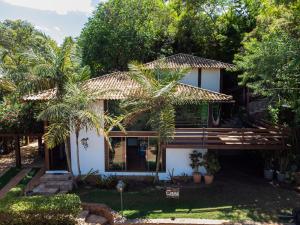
x: 59, y: 6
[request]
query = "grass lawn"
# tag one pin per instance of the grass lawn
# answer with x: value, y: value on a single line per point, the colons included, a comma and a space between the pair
x: 6, y: 177
x: 225, y: 199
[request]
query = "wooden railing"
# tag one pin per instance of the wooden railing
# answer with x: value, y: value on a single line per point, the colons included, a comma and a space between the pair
x: 220, y: 138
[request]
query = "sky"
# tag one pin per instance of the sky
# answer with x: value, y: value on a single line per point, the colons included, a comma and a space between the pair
x: 56, y: 18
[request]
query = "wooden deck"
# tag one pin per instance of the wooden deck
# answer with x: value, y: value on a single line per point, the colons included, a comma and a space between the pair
x: 221, y: 138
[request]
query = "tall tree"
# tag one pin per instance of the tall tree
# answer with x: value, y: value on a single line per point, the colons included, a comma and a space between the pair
x: 16, y: 39
x: 270, y: 58
x: 212, y: 28
x: 124, y: 30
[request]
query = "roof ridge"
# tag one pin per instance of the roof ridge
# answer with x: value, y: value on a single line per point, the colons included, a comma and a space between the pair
x: 106, y: 75
x: 188, y: 55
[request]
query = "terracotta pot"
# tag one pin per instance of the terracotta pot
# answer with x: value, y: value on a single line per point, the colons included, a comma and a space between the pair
x: 268, y: 174
x: 280, y: 177
x: 197, y: 177
x: 208, y: 179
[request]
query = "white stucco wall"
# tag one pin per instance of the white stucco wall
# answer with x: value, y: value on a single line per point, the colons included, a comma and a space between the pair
x: 93, y: 157
x: 210, y: 79
x: 179, y: 160
x: 191, y: 78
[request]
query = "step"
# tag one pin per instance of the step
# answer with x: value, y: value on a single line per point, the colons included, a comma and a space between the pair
x: 42, y: 190
x: 55, y: 177
x: 93, y: 219
x: 61, y: 185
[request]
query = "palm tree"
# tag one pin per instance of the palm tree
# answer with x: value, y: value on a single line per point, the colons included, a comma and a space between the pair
x: 74, y: 112
x: 55, y: 67
x: 155, y: 96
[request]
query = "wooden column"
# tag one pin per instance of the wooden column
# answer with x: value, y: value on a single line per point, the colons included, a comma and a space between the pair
x: 18, y: 153
x: 46, y: 149
x: 40, y: 144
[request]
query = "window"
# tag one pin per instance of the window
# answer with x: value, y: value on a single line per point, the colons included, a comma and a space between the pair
x: 192, y: 115
x: 136, y: 154
x: 116, y: 154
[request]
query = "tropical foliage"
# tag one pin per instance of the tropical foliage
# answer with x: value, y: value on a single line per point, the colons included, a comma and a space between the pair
x: 270, y: 58
x: 121, y: 31
x: 124, y: 30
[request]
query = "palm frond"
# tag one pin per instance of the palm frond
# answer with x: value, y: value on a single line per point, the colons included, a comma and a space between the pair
x: 7, y: 85
x: 55, y: 112
x: 57, y: 133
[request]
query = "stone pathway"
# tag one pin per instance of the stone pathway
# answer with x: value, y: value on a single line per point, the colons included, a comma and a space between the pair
x: 13, y: 182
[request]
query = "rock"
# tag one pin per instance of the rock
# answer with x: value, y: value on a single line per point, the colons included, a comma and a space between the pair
x: 93, y: 219
x: 83, y: 214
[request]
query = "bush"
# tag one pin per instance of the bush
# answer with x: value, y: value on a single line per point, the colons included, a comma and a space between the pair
x: 36, y: 218
x: 106, y: 182
x: 35, y: 210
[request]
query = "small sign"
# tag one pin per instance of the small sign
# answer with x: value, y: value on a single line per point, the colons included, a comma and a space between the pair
x: 172, y: 192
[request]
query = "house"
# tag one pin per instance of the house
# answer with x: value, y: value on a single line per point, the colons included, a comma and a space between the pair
x: 198, y: 125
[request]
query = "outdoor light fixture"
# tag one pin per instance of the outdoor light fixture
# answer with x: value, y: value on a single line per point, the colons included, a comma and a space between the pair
x: 120, y: 188
x: 84, y: 142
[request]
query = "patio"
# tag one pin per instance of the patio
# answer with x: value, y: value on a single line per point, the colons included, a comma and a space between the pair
x: 237, y: 197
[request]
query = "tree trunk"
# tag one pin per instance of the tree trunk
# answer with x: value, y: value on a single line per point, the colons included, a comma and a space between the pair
x: 159, y: 151
x: 77, y: 152
x: 18, y: 153
x: 67, y: 151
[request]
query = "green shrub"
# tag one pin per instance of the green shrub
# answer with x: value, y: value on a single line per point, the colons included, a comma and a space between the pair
x: 36, y: 218
x: 106, y: 182
x: 35, y: 210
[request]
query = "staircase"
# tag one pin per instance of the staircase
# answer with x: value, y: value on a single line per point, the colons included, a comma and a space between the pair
x: 53, y: 183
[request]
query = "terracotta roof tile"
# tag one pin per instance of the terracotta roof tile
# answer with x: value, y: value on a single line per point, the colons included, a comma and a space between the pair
x: 119, y: 85
x: 187, y: 61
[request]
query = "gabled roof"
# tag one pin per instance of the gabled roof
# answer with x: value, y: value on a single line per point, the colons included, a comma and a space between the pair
x: 182, y: 60
x: 119, y: 85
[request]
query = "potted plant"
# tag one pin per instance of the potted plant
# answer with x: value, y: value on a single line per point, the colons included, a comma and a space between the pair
x: 268, y: 165
x: 195, y: 158
x: 212, y: 166
x: 283, y: 164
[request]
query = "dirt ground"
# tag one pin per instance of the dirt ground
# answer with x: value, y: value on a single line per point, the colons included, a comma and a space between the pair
x: 29, y: 155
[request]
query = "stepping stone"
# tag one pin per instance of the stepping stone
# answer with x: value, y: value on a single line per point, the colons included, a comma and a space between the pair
x: 93, y: 219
